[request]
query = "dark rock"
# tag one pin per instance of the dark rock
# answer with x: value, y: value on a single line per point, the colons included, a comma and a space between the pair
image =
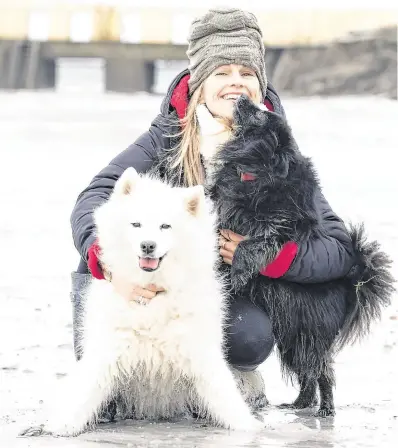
x: 359, y: 64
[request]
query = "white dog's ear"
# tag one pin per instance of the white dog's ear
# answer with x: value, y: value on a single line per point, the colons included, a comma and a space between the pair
x: 126, y: 182
x: 194, y: 198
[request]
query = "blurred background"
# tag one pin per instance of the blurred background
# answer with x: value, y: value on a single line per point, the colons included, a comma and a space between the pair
x: 137, y: 45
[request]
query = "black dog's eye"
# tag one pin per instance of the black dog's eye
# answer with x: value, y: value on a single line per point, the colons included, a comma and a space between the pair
x: 136, y: 224
x: 165, y: 226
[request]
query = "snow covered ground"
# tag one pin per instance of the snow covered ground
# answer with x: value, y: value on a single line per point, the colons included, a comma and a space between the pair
x: 53, y: 144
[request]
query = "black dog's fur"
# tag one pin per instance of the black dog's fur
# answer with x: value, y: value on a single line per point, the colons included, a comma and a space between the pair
x: 310, y: 321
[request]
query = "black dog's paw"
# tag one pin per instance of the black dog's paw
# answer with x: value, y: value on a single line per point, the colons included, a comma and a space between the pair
x: 249, y: 257
x: 242, y: 266
x: 239, y: 279
x: 325, y: 412
x: 300, y: 404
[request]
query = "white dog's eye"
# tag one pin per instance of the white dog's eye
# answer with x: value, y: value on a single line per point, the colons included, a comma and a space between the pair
x: 165, y: 226
x: 136, y: 224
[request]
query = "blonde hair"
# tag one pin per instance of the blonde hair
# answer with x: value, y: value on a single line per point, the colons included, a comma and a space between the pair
x: 187, y: 152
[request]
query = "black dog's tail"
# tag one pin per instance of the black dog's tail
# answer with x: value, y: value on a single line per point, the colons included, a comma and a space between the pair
x: 373, y: 286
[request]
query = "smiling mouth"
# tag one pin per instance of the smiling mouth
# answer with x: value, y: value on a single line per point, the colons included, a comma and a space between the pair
x: 231, y: 96
x: 149, y: 264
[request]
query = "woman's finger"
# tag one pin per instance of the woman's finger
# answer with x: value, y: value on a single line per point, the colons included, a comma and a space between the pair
x: 226, y: 253
x: 227, y: 245
x: 139, y: 292
x: 155, y: 288
x: 229, y: 235
x: 230, y: 246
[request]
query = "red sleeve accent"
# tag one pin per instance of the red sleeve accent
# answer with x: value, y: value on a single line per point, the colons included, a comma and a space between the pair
x: 282, y: 261
x: 92, y: 261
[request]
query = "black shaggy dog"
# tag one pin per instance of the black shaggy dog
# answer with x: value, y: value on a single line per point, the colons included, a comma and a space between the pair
x: 312, y: 321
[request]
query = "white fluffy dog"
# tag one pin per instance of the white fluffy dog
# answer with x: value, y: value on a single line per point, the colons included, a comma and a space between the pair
x: 165, y: 356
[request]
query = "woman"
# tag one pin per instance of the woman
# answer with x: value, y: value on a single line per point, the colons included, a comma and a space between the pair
x: 226, y: 56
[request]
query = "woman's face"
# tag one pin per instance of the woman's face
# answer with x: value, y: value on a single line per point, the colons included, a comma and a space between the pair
x: 225, y: 84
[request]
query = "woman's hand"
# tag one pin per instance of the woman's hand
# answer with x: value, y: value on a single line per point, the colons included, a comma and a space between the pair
x: 228, y: 243
x: 140, y: 294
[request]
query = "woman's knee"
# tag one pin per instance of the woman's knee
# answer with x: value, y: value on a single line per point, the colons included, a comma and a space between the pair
x: 249, y: 335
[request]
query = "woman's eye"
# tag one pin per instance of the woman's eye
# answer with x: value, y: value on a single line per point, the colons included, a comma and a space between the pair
x: 220, y: 73
x: 136, y: 224
x: 248, y: 74
x: 165, y: 226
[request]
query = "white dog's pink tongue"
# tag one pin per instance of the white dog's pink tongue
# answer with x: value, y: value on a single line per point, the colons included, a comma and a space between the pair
x: 149, y: 263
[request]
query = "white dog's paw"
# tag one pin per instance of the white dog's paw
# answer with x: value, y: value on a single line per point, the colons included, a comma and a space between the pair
x: 65, y: 429
x: 54, y: 428
x: 57, y: 431
x: 32, y: 431
x: 251, y: 424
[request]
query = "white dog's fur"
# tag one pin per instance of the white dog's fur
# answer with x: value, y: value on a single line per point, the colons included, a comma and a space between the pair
x: 166, y: 356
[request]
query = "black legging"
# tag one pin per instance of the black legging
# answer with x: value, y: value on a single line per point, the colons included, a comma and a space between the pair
x: 249, y: 335
x: 249, y: 332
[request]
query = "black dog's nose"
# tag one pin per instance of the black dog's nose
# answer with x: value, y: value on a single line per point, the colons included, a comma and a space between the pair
x: 148, y: 247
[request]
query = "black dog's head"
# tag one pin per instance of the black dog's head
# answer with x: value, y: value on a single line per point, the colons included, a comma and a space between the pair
x: 262, y: 145
x: 262, y: 175
x: 262, y: 178
x: 248, y: 114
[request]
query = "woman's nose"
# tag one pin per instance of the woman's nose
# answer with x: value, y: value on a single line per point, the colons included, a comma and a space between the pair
x: 236, y: 79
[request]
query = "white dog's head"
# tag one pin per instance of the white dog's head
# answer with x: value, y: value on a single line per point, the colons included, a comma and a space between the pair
x: 147, y: 225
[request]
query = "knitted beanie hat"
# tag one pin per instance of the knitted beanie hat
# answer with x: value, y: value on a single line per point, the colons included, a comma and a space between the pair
x: 225, y: 36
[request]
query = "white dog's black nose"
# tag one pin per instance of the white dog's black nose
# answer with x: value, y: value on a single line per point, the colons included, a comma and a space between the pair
x: 148, y: 247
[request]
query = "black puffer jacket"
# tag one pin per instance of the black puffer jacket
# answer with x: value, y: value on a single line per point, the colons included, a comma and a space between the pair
x: 325, y: 255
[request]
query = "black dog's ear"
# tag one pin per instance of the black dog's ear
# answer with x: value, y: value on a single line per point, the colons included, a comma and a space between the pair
x: 247, y: 113
x: 280, y: 163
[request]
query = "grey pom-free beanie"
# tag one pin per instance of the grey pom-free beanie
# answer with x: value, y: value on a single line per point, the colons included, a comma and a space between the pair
x: 225, y: 36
